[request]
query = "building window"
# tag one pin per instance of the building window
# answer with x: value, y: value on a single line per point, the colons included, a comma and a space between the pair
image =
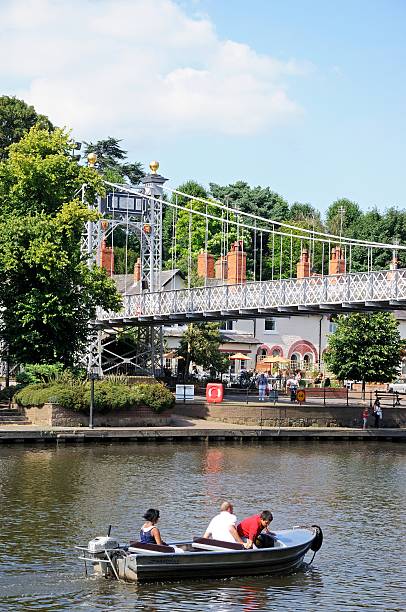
x: 332, y: 327
x: 295, y: 360
x: 270, y: 324
x: 276, y: 353
x: 308, y: 361
x: 226, y: 325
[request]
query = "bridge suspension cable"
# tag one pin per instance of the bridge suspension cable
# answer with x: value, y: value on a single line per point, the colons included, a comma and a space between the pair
x: 308, y: 232
x: 252, y: 247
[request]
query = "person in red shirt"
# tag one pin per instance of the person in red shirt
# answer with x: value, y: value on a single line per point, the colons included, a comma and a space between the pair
x: 365, y: 415
x: 251, y: 527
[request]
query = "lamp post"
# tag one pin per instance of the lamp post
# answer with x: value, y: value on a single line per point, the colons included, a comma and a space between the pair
x: 93, y: 375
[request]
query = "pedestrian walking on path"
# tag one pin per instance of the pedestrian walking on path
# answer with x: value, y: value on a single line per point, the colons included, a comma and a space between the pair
x: 292, y: 384
x: 262, y: 386
x: 377, y: 413
x: 365, y: 415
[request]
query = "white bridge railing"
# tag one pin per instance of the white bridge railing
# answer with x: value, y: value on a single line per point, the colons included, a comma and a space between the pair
x: 360, y: 288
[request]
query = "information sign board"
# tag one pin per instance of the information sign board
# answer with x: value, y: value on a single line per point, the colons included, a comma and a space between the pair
x: 185, y: 392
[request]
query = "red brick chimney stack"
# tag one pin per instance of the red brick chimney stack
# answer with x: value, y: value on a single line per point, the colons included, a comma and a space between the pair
x: 303, y: 266
x: 237, y: 263
x: 137, y: 271
x: 221, y: 268
x: 107, y: 258
x: 337, y: 261
x: 205, y: 265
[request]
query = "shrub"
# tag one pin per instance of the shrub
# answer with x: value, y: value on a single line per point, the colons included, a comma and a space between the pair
x: 108, y: 395
x: 33, y: 395
x: 156, y: 396
x: 72, y: 397
x: 39, y: 372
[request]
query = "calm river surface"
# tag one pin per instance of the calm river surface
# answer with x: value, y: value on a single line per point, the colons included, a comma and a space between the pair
x: 52, y: 498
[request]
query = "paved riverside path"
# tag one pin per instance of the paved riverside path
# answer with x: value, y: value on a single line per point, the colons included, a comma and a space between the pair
x: 188, y: 429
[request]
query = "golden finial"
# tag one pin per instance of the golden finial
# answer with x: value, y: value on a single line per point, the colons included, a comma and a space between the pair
x: 154, y: 165
x: 92, y: 159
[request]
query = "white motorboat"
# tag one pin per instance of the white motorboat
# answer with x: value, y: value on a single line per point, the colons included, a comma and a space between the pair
x: 200, y: 558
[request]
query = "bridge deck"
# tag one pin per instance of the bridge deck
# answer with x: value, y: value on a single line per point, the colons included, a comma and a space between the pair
x: 361, y: 291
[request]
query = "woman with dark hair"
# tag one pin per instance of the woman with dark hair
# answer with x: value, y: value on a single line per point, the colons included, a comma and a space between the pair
x: 150, y: 533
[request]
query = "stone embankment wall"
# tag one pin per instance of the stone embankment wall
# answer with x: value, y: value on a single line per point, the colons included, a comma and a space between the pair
x: 289, y: 415
x: 53, y: 415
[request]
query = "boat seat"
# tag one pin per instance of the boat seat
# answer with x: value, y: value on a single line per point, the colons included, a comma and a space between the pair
x: 140, y: 547
x: 209, y: 544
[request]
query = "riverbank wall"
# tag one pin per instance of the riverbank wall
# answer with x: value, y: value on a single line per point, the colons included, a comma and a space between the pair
x: 288, y: 415
x: 53, y: 415
x: 194, y: 432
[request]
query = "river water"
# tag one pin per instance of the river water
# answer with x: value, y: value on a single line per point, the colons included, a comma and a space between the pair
x: 52, y: 498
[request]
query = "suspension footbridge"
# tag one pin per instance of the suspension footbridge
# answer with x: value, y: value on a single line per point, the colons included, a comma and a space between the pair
x: 223, y: 262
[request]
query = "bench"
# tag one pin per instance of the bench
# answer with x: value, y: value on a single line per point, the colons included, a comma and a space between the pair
x: 209, y: 544
x: 140, y: 547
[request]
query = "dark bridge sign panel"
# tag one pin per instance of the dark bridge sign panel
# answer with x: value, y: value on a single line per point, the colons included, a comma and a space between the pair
x: 122, y: 203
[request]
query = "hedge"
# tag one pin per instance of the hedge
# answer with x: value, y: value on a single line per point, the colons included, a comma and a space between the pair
x: 108, y: 395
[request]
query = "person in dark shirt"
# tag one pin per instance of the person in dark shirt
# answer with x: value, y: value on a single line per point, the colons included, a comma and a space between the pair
x: 150, y: 533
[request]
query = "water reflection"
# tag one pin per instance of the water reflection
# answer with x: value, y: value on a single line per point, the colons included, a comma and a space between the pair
x: 53, y: 498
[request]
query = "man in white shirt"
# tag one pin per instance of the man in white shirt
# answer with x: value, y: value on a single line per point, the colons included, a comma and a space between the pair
x: 223, y: 525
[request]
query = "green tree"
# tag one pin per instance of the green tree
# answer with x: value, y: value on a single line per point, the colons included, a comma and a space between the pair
x: 111, y: 161
x: 200, y: 344
x: 379, y: 227
x: 17, y: 118
x: 261, y: 201
x: 170, y: 216
x: 47, y: 293
x: 194, y: 233
x: 348, y: 211
x: 365, y: 347
x: 40, y: 176
x: 304, y: 212
x: 284, y: 250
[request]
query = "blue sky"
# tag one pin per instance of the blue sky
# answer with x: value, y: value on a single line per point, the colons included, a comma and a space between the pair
x: 304, y: 96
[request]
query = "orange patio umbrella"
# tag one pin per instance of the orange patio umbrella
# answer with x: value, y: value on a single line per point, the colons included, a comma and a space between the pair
x: 239, y: 356
x: 172, y: 355
x: 275, y: 360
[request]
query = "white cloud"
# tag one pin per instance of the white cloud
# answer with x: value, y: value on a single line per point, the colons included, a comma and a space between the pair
x: 135, y: 66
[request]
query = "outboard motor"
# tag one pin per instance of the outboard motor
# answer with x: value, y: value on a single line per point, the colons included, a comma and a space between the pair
x: 97, y: 549
x: 101, y: 543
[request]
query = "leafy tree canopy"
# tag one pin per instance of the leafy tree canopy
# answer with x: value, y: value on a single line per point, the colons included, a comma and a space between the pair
x: 171, y: 215
x: 48, y: 293
x: 17, y: 118
x: 261, y: 201
x: 350, y: 217
x: 199, y: 344
x: 111, y: 161
x: 305, y: 212
x: 365, y: 347
x: 190, y: 188
x: 40, y: 176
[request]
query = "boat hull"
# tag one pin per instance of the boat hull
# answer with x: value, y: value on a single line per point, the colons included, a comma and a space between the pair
x: 286, y: 557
